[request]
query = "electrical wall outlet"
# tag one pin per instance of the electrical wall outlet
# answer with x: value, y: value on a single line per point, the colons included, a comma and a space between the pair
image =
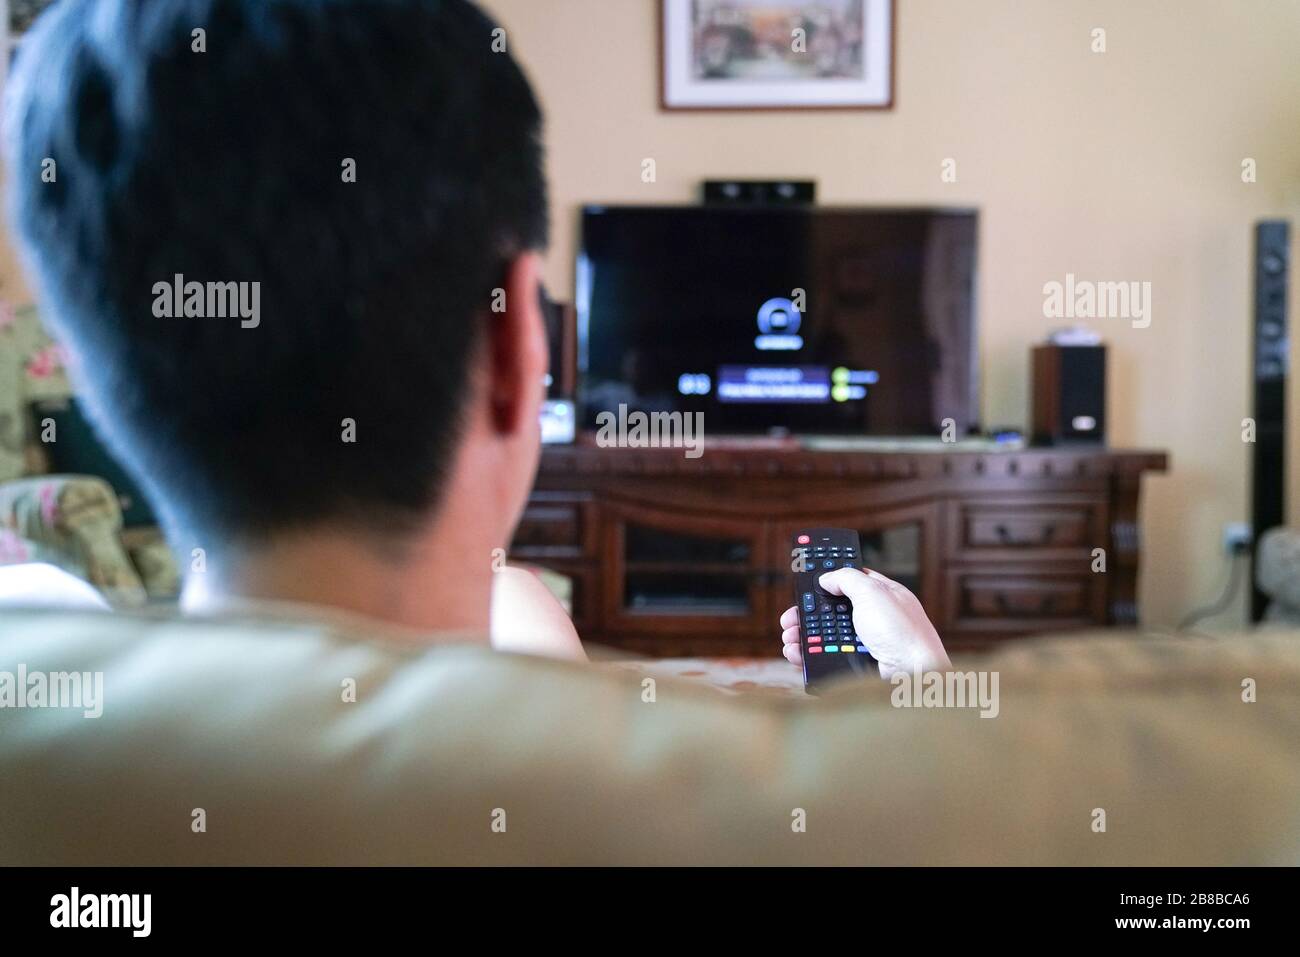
x: 1237, y: 537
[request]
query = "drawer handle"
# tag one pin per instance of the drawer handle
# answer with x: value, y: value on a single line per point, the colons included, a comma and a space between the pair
x: 1046, y: 605
x: 1004, y: 534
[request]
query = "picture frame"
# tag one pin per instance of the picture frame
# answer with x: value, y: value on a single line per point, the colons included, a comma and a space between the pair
x: 777, y: 54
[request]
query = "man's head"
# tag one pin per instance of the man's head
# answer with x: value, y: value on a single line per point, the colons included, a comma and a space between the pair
x: 375, y: 168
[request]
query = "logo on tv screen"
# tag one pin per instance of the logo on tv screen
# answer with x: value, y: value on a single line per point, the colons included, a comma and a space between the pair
x: 778, y: 326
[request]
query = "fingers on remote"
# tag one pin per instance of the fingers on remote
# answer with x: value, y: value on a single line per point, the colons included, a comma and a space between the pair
x: 825, y: 619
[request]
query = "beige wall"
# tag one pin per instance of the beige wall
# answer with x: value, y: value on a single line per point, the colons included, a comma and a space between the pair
x: 1116, y: 166
x: 1122, y: 165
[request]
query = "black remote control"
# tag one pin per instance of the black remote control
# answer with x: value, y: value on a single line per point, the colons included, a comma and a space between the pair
x: 827, y: 637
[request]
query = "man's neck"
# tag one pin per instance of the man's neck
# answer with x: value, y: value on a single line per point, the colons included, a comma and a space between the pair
x: 436, y: 584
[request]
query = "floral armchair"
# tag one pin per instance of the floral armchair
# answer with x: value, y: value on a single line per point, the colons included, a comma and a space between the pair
x: 75, y: 523
x: 71, y: 521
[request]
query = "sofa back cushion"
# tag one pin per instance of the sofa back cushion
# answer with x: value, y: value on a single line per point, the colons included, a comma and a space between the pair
x: 451, y: 754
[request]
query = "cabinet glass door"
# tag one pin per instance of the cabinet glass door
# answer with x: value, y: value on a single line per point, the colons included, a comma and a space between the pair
x: 671, y: 573
x: 895, y: 552
x: 685, y: 572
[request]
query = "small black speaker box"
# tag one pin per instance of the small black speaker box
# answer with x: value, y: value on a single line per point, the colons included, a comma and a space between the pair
x: 1069, y: 395
x: 755, y: 192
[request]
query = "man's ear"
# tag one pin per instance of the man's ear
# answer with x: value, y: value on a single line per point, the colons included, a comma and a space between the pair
x: 517, y: 350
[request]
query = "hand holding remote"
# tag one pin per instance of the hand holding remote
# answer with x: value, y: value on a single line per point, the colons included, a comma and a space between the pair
x: 887, y: 617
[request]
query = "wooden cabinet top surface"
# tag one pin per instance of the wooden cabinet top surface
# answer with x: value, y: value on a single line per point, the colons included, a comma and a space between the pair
x: 734, y: 457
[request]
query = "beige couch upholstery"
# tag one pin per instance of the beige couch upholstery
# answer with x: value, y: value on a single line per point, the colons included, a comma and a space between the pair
x: 245, y: 719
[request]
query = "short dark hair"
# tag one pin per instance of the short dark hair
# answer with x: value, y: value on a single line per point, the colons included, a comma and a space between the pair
x: 229, y: 165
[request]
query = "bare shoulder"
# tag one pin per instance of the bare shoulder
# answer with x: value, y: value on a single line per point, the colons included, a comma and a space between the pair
x: 528, y: 619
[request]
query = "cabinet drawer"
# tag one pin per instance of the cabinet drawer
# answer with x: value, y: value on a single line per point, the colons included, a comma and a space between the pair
x: 1041, y: 530
x: 552, y: 527
x: 1025, y: 601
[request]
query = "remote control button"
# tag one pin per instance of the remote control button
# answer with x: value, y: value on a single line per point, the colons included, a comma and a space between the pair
x: 828, y: 564
x: 813, y: 638
x: 862, y: 650
x: 815, y: 650
x: 841, y: 607
x: 803, y: 539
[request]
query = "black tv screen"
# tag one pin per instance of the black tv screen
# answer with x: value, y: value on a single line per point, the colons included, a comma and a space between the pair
x: 821, y: 321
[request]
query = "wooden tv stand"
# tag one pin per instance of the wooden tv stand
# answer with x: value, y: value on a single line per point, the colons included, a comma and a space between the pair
x: 674, y: 556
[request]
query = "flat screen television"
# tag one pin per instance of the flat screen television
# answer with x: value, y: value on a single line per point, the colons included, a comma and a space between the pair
x: 811, y: 321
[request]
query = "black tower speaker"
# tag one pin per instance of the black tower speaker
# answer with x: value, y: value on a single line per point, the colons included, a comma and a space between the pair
x: 1271, y: 361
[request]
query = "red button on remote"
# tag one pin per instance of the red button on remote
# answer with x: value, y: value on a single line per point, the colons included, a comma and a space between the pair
x: 815, y: 650
x: 804, y: 539
x: 812, y: 638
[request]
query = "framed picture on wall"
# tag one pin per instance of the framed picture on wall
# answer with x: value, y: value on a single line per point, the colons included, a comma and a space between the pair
x: 777, y: 54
